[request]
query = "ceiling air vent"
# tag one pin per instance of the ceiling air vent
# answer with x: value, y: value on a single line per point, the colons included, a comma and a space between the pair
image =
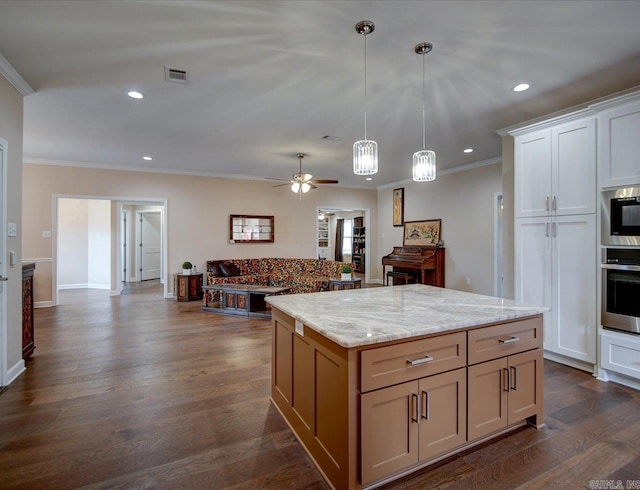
x: 174, y: 75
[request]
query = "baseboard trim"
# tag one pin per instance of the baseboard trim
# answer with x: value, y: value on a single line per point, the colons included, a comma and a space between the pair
x: 42, y: 304
x: 16, y: 370
x: 84, y: 286
x: 567, y: 361
x: 607, y: 375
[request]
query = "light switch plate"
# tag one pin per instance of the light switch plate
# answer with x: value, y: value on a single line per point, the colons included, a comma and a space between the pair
x: 46, y: 234
x: 12, y: 229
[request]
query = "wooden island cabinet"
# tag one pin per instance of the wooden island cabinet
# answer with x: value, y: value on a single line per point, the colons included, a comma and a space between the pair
x: 375, y: 399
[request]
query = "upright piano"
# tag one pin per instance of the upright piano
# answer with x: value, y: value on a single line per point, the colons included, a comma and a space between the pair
x: 425, y: 263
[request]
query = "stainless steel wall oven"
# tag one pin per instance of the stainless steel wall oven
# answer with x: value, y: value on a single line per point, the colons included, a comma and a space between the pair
x: 621, y: 289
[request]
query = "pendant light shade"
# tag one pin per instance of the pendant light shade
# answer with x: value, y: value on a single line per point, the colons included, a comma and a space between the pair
x: 365, y: 152
x: 365, y: 157
x: 424, y: 161
x: 424, y: 166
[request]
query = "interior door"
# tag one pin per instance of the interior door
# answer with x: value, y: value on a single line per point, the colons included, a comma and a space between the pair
x: 150, y: 245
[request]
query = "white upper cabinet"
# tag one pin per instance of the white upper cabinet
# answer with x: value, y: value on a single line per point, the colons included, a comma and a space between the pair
x: 619, y: 145
x: 555, y: 170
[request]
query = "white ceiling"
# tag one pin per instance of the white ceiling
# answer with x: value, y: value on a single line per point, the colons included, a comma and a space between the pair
x: 269, y: 79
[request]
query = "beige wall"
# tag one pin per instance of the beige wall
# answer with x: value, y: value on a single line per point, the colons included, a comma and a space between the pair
x: 198, y: 211
x: 464, y: 201
x: 11, y: 110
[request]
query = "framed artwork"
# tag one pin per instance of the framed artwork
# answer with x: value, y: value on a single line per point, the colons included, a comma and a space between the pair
x: 398, y: 206
x: 422, y: 232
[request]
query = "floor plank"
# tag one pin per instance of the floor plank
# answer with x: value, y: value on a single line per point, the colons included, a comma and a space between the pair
x: 136, y: 391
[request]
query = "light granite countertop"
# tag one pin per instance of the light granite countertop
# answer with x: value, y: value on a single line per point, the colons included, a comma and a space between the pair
x: 358, y: 317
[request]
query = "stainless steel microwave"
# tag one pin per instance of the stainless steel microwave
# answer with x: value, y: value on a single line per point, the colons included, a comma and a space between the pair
x: 621, y: 216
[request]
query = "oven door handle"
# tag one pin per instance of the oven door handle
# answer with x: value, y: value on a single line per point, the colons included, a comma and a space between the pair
x: 616, y: 267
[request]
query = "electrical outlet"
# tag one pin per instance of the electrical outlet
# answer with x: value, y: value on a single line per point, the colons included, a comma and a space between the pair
x: 468, y: 281
x: 46, y: 234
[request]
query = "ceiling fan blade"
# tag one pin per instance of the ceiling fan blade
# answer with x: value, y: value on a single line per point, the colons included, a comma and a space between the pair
x: 275, y: 178
x: 325, y: 181
x: 280, y: 185
x: 312, y: 186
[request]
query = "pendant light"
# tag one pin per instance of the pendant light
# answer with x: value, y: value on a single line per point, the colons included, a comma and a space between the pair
x: 424, y: 161
x: 365, y: 152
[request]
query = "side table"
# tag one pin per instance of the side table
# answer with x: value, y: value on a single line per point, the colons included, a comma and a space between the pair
x: 187, y: 287
x: 338, y: 284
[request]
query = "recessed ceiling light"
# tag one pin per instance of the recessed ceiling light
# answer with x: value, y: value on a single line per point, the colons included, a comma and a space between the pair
x: 521, y: 87
x: 135, y: 95
x: 468, y: 150
x: 147, y: 158
x: 369, y: 178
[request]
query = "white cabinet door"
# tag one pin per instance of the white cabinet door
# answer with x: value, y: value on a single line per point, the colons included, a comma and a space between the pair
x: 573, y: 179
x: 619, y: 146
x: 532, y: 274
x: 532, y: 172
x: 574, y: 287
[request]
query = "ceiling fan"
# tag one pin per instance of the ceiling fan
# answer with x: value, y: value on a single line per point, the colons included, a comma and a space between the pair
x: 301, y: 182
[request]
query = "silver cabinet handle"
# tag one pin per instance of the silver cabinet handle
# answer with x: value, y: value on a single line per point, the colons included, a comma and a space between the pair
x: 553, y: 203
x: 546, y: 203
x: 2, y: 278
x: 554, y: 229
x: 415, y: 408
x: 510, y: 340
x: 546, y: 229
x: 417, y: 362
x: 426, y: 405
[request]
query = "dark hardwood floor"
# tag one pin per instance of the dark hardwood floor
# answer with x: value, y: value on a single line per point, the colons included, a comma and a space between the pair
x: 136, y: 391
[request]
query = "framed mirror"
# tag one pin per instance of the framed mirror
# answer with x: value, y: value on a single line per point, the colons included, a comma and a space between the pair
x: 244, y: 228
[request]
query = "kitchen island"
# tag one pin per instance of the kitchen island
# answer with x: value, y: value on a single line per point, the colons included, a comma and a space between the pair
x: 377, y: 383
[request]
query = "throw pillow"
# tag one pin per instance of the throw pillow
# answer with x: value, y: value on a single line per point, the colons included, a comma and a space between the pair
x: 214, y: 268
x: 229, y: 269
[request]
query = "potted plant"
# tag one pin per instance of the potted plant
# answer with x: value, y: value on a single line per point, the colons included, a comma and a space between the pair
x: 345, y: 272
x: 186, y: 267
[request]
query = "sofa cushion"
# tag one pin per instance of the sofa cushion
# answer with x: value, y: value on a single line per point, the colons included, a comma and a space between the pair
x: 214, y: 269
x: 229, y: 269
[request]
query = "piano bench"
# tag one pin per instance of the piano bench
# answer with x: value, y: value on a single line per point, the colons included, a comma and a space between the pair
x: 399, y: 278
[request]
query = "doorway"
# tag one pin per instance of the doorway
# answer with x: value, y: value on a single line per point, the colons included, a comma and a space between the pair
x: 3, y: 265
x: 497, y: 240
x: 356, y: 224
x: 117, y: 259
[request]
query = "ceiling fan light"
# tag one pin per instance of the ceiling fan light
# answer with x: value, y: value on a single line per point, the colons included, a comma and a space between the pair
x: 424, y: 166
x: 365, y: 157
x: 295, y: 187
x: 305, y: 187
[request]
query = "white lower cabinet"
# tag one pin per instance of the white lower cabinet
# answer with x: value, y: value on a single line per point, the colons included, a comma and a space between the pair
x: 555, y: 266
x: 620, y: 353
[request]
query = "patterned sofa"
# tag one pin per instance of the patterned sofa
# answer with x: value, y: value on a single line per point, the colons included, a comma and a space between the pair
x: 301, y: 275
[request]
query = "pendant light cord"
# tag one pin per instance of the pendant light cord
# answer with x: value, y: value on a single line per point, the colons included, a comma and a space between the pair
x: 365, y: 85
x: 424, y: 131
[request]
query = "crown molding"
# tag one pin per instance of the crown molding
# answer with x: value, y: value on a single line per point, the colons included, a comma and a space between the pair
x: 14, y: 77
x: 448, y: 171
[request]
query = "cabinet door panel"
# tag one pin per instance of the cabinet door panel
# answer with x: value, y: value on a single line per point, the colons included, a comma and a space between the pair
x: 574, y: 168
x: 303, y: 399
x: 389, y: 430
x: 283, y: 355
x: 443, y: 414
x: 532, y: 168
x: 525, y: 390
x: 487, y: 408
x: 619, y: 145
x: 532, y: 272
x: 574, y: 280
